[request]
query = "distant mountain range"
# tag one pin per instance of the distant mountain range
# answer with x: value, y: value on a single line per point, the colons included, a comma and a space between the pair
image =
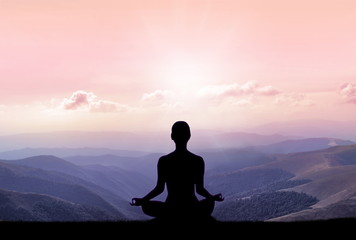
x: 328, y: 175
x: 301, y: 145
x: 309, y: 128
x: 68, y: 152
x: 289, y: 180
x: 87, y: 186
x: 147, y: 142
x: 333, y: 180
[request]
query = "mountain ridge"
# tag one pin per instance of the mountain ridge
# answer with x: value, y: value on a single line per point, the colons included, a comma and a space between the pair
x: 301, y: 145
x: 39, y: 181
x: 17, y: 206
x: 325, y: 178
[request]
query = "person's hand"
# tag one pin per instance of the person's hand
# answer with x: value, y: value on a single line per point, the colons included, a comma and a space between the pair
x: 137, y: 201
x: 218, y: 197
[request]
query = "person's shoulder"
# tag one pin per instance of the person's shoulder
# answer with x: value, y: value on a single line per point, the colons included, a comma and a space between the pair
x: 196, y: 157
x: 165, y: 157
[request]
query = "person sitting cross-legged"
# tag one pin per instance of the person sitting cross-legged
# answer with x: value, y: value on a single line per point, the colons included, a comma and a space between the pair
x: 183, y: 174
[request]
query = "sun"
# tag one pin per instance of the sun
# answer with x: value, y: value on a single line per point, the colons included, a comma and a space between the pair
x: 186, y: 73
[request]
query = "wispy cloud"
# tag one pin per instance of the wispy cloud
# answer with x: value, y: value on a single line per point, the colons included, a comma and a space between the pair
x: 293, y: 100
x: 162, y: 99
x: 348, y: 92
x: 250, y: 88
x: 157, y: 96
x: 88, y: 101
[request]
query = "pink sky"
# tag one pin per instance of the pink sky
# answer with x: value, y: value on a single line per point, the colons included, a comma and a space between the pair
x: 133, y: 65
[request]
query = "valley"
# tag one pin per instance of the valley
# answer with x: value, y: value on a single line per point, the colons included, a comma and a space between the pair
x: 286, y: 181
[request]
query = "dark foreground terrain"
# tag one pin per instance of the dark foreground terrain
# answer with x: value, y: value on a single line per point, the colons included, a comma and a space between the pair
x: 190, y: 230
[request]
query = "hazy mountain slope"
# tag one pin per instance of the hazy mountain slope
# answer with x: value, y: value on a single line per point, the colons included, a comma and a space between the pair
x: 301, y: 145
x: 25, y: 179
x: 67, y: 152
x: 306, y: 163
x: 16, y: 206
x: 253, y: 194
x: 309, y: 162
x: 113, y: 184
x: 232, y: 160
x: 332, y: 173
x: 235, y: 140
x: 52, y: 163
x: 145, y: 142
x: 242, y: 183
x: 328, y: 175
x: 145, y: 165
x: 261, y: 207
x: 104, y: 159
x: 330, y: 185
x: 121, y: 182
x: 342, y: 209
x: 70, y: 139
x: 310, y: 128
x: 125, y: 184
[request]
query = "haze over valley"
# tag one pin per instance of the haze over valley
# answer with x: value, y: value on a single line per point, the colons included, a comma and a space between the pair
x: 262, y: 177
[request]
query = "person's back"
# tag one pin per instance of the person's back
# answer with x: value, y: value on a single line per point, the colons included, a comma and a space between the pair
x: 181, y: 171
x: 183, y: 174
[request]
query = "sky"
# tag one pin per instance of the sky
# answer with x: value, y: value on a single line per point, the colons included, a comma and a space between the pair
x: 140, y: 65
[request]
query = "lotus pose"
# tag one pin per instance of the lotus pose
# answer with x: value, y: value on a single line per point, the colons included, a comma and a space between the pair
x: 183, y: 173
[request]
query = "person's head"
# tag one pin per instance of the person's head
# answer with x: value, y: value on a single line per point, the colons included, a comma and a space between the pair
x: 180, y: 132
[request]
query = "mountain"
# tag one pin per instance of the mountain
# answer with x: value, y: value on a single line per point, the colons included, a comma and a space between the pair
x: 67, y: 152
x: 48, y: 162
x: 263, y: 206
x: 133, y: 143
x: 332, y: 175
x: 244, y: 139
x: 60, y: 185
x: 117, y: 186
x: 275, y: 185
x: 148, y: 142
x: 215, y: 161
x: 17, y: 206
x: 309, y: 128
x: 144, y: 165
x: 305, y: 183
x: 343, y: 209
x: 301, y: 145
x: 228, y: 160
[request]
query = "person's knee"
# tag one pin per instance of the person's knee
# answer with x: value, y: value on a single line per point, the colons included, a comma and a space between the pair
x: 206, y: 207
x: 153, y: 208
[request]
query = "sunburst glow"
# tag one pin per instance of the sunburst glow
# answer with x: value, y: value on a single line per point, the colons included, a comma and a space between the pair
x: 226, y: 64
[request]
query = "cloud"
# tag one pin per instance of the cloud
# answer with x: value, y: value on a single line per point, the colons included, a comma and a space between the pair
x: 79, y: 100
x: 156, y: 96
x: 267, y: 91
x: 88, y: 101
x: 107, y: 106
x: 348, y: 92
x: 293, y: 100
x: 250, y: 88
x: 245, y: 102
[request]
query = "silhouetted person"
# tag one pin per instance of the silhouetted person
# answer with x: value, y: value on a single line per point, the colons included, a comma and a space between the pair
x: 183, y: 173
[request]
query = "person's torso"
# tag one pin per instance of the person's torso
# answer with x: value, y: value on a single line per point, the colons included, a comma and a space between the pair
x: 181, y: 172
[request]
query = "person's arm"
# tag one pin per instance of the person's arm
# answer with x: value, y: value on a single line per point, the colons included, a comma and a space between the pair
x: 158, y: 189
x: 200, y: 189
x: 159, y: 185
x: 200, y: 180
